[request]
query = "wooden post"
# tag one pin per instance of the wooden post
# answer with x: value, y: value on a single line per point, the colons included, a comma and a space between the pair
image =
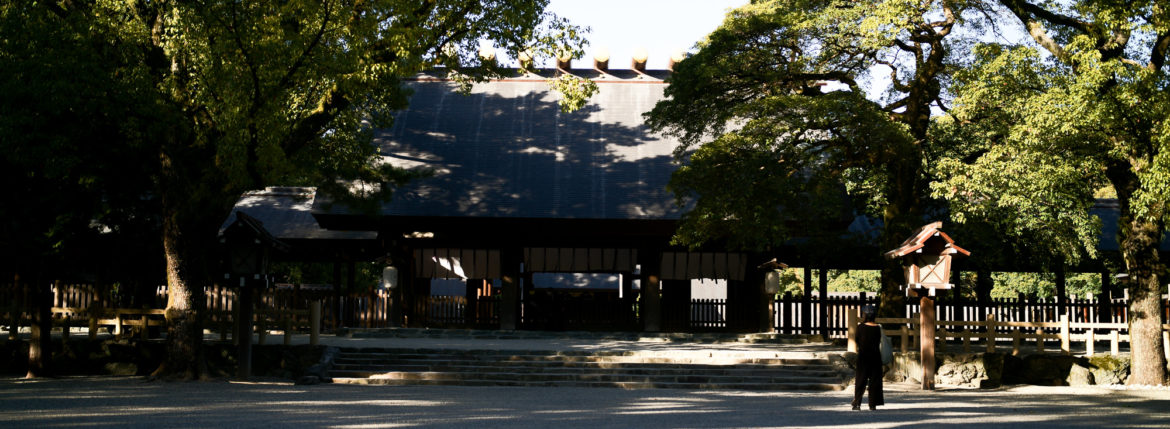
x: 966, y: 340
x: 1061, y: 291
x: 145, y: 333
x: 786, y: 306
x: 93, y: 325
x: 926, y: 349
x: 905, y: 339
x: 314, y: 322
x: 237, y: 324
x: 1039, y: 340
x: 510, y: 293
x: 1090, y: 341
x: 1115, y: 343
x: 1016, y: 342
x: 245, y: 331
x: 806, y: 303
x: 336, y: 296
x: 651, y: 306
x: 990, y: 334
x: 261, y: 327
x: 1065, y: 333
x: 223, y: 328
x: 288, y: 329
x: 823, y: 285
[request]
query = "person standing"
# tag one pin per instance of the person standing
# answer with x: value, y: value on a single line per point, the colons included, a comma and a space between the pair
x: 869, y: 360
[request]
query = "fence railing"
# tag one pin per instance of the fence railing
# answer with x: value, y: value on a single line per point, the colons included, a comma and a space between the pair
x: 986, y: 335
x: 830, y: 315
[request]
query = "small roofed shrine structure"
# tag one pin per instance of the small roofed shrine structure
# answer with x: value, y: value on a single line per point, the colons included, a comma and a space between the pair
x: 285, y: 214
x: 926, y: 260
x: 248, y: 247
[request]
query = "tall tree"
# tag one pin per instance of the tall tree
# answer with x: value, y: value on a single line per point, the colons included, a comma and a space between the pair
x: 70, y: 160
x: 285, y: 92
x: 769, y: 154
x: 1085, y: 106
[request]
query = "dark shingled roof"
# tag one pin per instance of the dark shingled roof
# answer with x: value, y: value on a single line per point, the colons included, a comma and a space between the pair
x: 286, y: 213
x: 506, y: 151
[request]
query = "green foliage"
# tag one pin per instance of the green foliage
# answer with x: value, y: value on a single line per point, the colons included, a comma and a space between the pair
x: 1043, y: 285
x: 574, y: 91
x: 854, y: 281
x: 769, y: 155
x: 792, y: 281
x: 75, y: 116
x: 1052, y: 132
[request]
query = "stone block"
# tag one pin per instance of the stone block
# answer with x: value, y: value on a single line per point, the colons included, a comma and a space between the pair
x: 1079, y: 376
x: 121, y: 368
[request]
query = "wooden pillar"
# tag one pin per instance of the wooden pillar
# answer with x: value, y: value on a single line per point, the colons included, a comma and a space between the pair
x: 806, y: 303
x: 510, y: 292
x: 245, y: 331
x: 628, y: 318
x: 1061, y: 292
x: 651, y: 306
x: 351, y: 287
x: 336, y: 296
x: 957, y: 296
x: 471, y: 294
x: 823, y: 320
x: 314, y: 322
x: 926, y: 342
x: 1104, y: 309
x: 983, y: 285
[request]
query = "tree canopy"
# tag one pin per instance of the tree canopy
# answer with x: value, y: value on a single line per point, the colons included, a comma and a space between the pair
x: 779, y: 139
x: 1050, y: 123
x: 1014, y: 140
x: 236, y: 96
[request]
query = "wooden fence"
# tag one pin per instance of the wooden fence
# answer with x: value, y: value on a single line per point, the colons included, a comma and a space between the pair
x: 1067, y: 336
x: 830, y: 316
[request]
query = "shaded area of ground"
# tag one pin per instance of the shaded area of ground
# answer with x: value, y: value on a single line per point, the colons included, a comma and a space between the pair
x: 132, y: 401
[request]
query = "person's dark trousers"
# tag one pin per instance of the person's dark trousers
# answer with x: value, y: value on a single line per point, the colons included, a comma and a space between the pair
x: 871, y: 375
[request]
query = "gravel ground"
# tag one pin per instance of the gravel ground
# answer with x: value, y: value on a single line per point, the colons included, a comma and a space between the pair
x: 136, y: 402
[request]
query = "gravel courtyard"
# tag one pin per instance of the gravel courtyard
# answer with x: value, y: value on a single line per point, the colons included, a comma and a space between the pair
x: 136, y: 402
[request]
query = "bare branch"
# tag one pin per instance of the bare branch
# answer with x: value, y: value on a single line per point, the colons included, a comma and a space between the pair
x: 1024, y: 12
x: 284, y: 81
x: 1161, y: 49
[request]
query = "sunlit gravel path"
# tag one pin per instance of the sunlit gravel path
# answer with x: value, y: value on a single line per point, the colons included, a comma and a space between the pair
x: 135, y: 402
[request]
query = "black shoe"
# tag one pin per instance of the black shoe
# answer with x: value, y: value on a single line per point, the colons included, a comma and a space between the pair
x: 856, y: 408
x: 873, y: 407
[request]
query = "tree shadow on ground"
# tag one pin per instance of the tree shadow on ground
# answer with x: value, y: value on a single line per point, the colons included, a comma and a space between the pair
x: 105, y: 401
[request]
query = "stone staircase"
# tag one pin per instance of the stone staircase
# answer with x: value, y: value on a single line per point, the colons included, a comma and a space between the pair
x: 776, y: 368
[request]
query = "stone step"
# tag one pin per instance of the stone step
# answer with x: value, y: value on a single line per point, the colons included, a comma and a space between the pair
x: 648, y: 358
x: 582, y: 335
x: 779, y: 386
x: 607, y: 377
x: 695, y: 369
x: 640, y: 370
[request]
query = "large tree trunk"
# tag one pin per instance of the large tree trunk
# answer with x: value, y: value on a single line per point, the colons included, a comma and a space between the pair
x: 186, y: 277
x: 40, y: 344
x: 1139, y: 248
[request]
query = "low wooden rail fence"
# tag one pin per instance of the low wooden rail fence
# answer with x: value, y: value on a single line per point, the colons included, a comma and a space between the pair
x: 289, y: 320
x: 118, y: 318
x: 991, y: 331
